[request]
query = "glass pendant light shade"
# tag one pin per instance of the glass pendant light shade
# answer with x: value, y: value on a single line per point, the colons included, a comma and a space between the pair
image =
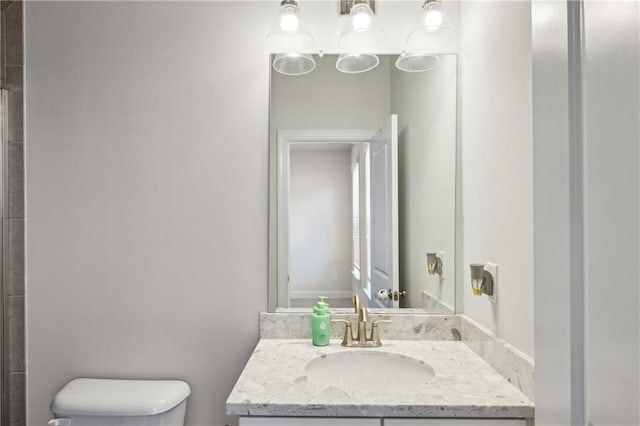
x: 294, y: 63
x: 362, y: 32
x: 354, y: 63
x: 417, y: 62
x: 288, y: 33
x: 434, y: 28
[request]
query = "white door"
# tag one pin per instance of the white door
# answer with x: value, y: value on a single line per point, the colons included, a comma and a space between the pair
x: 384, y: 211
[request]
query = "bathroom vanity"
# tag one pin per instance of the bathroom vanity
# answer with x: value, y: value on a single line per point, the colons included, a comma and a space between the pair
x: 402, y: 383
x: 384, y: 147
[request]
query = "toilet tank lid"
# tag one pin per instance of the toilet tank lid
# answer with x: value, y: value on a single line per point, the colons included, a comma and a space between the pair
x: 109, y: 397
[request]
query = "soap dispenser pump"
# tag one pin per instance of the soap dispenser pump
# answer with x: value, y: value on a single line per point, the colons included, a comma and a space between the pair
x: 320, y: 323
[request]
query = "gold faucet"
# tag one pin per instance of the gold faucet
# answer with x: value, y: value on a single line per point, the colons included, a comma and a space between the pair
x: 360, y: 340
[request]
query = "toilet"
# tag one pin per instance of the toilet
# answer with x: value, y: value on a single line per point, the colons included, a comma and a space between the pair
x: 109, y: 402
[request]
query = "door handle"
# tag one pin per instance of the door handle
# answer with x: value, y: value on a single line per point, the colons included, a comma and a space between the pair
x: 397, y: 295
x: 390, y: 294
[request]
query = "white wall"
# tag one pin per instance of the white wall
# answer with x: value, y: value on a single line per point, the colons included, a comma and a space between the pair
x: 320, y: 222
x: 612, y: 275
x: 427, y: 176
x: 496, y: 169
x: 586, y: 163
x: 331, y: 99
x: 146, y: 196
x: 146, y: 136
x: 552, y: 194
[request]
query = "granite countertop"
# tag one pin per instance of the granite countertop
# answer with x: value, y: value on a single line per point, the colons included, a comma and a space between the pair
x: 274, y: 383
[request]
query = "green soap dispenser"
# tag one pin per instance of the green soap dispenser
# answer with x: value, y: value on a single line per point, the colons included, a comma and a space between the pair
x: 320, y: 323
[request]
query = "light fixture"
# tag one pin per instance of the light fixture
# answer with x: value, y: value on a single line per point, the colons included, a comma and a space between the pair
x: 481, y: 280
x: 432, y: 26
x: 354, y: 63
x: 294, y: 63
x: 361, y: 35
x: 288, y: 33
x: 434, y: 263
x: 417, y: 61
x: 362, y: 32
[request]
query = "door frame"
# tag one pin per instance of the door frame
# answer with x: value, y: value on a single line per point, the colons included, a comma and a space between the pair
x: 284, y: 139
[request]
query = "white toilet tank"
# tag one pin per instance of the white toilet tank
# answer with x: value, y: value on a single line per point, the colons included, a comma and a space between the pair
x: 108, y: 402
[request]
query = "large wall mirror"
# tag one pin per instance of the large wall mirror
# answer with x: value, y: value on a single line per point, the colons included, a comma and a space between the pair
x: 362, y: 187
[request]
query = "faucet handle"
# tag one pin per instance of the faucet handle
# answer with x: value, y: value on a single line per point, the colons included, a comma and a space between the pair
x: 375, y: 333
x: 347, y: 338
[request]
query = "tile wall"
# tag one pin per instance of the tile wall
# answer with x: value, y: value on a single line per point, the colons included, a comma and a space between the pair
x: 11, y: 69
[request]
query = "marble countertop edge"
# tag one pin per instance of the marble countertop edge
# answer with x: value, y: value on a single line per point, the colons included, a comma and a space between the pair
x: 378, y: 411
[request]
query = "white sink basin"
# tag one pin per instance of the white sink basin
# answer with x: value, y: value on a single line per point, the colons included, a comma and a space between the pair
x: 368, y: 370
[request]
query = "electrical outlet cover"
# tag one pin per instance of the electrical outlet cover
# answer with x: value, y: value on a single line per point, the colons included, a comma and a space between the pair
x: 492, y: 268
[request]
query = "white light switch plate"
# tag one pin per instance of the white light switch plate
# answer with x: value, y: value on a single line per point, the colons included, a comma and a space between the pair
x: 492, y: 268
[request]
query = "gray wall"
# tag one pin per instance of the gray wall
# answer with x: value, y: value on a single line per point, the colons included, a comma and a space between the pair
x: 12, y: 61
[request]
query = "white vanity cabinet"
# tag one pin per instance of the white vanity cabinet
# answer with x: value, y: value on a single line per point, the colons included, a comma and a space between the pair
x: 454, y: 422
x: 326, y: 421
x: 307, y: 421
